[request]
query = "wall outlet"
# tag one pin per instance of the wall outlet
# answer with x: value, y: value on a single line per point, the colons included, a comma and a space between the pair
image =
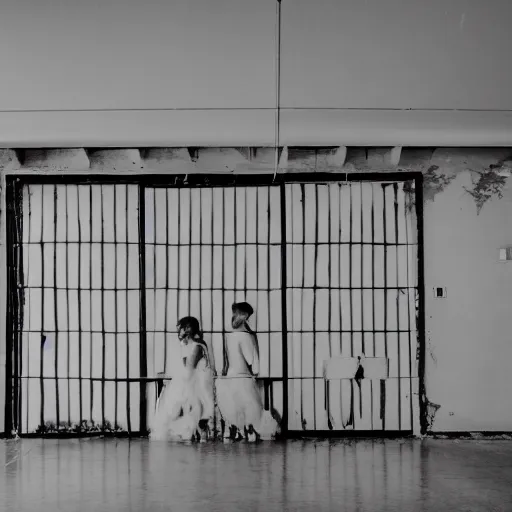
x: 439, y: 292
x: 506, y: 254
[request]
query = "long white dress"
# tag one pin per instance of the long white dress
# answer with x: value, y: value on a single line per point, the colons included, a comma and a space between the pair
x: 185, y: 400
x: 238, y: 393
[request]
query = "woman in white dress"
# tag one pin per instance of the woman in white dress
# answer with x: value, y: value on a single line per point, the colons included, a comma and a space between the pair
x: 189, y: 397
x: 238, y: 394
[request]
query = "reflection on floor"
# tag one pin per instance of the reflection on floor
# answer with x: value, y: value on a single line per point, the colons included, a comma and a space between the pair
x: 351, y: 475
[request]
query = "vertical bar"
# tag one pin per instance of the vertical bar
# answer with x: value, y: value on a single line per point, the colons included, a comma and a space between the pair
x: 11, y: 309
x: 409, y: 317
x: 91, y: 386
x: 362, y: 270
x: 373, y: 291
x: 329, y: 287
x: 127, y: 313
x: 245, y: 246
x: 235, y: 269
x: 28, y: 281
x: 303, y: 202
x: 13, y: 305
x: 102, y: 295
x: 178, y: 255
x: 421, y: 305
x: 257, y: 244
x: 67, y: 307
x: 79, y: 306
x: 167, y: 284
x: 350, y: 284
x: 315, y: 271
x: 43, y: 337
x: 189, y: 294
x: 56, y: 349
x: 116, y: 327
x: 223, y: 224
x: 373, y: 266
x: 142, y: 308
x: 385, y: 270
x: 269, y: 312
x: 211, y: 285
x: 199, y: 269
x: 340, y: 294
x: 284, y: 308
x: 155, y: 248
x: 20, y: 302
x: 395, y: 191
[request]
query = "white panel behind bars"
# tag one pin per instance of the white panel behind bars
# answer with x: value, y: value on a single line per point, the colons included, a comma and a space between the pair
x: 326, y: 219
x: 72, y: 215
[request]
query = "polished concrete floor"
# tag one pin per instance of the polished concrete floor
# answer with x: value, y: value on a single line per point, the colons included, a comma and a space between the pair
x: 116, y: 475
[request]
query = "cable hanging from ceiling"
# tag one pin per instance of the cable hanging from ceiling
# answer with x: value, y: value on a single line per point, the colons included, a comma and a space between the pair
x: 278, y: 89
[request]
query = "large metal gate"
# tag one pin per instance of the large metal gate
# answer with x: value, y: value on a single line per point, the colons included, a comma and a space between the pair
x: 352, y: 291
x: 76, y: 344
x: 100, y: 272
x: 206, y: 248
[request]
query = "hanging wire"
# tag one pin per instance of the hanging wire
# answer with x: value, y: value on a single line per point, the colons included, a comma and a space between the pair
x: 278, y: 88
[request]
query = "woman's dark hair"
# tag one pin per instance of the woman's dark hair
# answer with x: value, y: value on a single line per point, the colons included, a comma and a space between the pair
x: 190, y: 325
x: 241, y: 313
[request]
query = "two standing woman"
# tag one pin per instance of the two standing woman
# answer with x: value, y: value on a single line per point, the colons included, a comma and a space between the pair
x: 187, y: 403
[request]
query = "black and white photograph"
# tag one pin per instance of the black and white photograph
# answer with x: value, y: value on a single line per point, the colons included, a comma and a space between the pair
x: 255, y: 255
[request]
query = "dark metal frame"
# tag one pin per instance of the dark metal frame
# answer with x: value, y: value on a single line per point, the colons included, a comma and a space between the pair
x: 14, y: 218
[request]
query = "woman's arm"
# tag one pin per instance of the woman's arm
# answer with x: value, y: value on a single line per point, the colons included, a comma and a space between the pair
x: 250, y: 352
x: 211, y: 355
x: 255, y: 367
x: 225, y: 362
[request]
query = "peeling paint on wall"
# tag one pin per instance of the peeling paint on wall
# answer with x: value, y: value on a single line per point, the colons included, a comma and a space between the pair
x: 431, y: 410
x: 431, y: 351
x: 434, y: 182
x: 490, y: 184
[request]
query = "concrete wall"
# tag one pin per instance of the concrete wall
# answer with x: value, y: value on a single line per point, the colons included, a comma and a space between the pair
x: 375, y: 54
x: 374, y: 59
x: 469, y: 333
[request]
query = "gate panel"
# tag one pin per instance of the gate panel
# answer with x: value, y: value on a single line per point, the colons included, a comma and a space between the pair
x: 351, y: 288
x: 84, y: 325
x: 205, y: 249
x: 79, y: 349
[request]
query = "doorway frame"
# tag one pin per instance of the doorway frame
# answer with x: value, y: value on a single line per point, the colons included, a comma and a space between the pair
x: 13, y: 209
